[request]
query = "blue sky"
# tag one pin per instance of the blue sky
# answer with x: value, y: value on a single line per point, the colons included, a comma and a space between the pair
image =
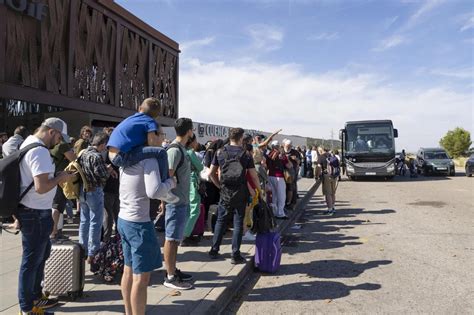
x: 308, y: 66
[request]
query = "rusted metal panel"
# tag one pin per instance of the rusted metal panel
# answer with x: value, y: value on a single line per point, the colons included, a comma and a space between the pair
x: 93, y: 51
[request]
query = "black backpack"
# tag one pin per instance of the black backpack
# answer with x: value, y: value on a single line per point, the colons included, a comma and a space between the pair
x: 10, y: 180
x: 263, y: 218
x: 232, y: 171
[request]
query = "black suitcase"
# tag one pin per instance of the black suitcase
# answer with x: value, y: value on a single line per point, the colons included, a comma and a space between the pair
x: 64, y: 273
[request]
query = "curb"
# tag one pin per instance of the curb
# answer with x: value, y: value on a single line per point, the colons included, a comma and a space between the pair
x: 220, y: 296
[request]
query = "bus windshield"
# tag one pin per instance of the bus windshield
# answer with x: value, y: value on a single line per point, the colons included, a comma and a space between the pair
x: 370, y: 138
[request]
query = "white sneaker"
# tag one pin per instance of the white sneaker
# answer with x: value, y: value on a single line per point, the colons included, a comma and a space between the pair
x: 249, y: 236
x: 170, y: 198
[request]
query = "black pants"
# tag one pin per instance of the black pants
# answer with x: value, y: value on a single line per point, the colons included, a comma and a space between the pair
x: 112, y: 208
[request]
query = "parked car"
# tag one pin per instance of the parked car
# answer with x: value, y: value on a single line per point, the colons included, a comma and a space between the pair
x: 432, y: 161
x: 470, y: 166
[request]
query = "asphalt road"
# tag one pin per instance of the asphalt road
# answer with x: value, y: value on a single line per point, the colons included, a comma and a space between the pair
x: 402, y: 246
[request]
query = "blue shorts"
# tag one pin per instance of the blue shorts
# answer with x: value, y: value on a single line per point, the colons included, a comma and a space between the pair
x: 175, y: 221
x: 141, y: 250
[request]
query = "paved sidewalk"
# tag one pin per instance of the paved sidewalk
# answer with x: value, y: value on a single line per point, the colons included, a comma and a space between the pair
x: 215, y: 280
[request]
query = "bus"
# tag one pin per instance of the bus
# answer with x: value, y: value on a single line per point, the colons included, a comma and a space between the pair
x: 368, y: 148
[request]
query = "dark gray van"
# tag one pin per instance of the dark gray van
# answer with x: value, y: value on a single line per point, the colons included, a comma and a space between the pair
x: 430, y: 161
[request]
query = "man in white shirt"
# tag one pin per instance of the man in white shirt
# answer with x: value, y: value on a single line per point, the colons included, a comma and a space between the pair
x: 138, y: 184
x: 34, y: 214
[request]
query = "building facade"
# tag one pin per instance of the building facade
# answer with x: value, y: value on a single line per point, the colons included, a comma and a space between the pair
x: 86, y: 61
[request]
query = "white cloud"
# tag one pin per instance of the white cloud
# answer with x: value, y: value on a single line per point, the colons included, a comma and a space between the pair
x: 389, y: 22
x: 186, y: 46
x: 422, y: 11
x: 324, y: 36
x: 468, y: 24
x: 465, y: 73
x: 390, y: 42
x: 265, y: 97
x: 265, y: 37
x: 399, y: 36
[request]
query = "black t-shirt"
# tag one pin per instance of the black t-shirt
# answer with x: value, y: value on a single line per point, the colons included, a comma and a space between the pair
x: 229, y: 196
x: 323, y: 161
x: 113, y: 184
x: 208, y: 157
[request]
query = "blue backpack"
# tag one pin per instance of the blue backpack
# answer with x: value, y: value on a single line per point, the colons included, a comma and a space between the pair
x: 334, y: 167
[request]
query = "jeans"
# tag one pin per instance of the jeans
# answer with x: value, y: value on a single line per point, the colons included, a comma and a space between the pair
x: 138, y: 154
x: 36, y: 226
x: 278, y: 186
x: 92, y: 216
x: 221, y: 226
x: 176, y: 217
x: 69, y: 211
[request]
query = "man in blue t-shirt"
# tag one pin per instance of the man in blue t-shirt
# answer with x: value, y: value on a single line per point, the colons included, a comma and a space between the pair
x: 137, y: 138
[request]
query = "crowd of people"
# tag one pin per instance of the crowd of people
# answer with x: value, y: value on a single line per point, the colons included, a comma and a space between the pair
x: 134, y: 178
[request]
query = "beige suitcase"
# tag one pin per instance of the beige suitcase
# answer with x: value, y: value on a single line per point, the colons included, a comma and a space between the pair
x: 64, y: 273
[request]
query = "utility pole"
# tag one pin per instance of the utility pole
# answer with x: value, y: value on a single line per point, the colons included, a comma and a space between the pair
x: 332, y: 137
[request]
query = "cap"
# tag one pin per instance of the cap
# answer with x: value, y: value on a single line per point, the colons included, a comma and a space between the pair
x: 275, y: 143
x: 59, y: 125
x: 287, y: 141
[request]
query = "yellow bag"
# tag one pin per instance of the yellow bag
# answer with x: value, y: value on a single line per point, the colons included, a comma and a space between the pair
x: 249, y: 210
x: 71, y: 188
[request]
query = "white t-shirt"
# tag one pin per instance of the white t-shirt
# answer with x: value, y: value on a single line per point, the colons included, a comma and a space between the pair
x: 314, y: 156
x: 37, y: 161
x: 139, y: 183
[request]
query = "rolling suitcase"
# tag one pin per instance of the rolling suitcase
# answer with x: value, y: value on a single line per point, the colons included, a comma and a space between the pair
x: 64, y: 272
x: 201, y: 222
x: 268, y: 252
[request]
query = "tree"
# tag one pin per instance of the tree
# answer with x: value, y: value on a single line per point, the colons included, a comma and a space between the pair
x: 456, y: 142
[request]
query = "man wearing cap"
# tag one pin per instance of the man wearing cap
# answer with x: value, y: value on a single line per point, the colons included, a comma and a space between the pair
x: 62, y: 154
x: 34, y: 212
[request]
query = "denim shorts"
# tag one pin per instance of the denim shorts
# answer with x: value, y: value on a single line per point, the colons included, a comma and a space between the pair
x: 175, y: 221
x: 141, y: 250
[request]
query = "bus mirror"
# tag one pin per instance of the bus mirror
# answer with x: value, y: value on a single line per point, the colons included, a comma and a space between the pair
x: 341, y: 134
x: 395, y: 133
